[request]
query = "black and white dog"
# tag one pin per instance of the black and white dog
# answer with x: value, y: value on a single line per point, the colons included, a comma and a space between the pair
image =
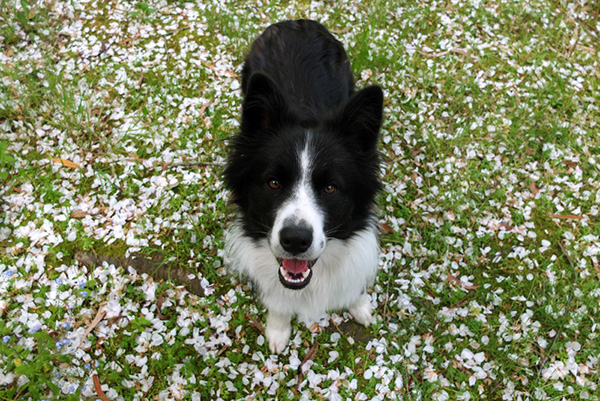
x: 304, y: 173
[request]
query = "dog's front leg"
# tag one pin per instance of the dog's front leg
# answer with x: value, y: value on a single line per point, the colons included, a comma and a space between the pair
x: 361, y: 310
x: 278, y: 331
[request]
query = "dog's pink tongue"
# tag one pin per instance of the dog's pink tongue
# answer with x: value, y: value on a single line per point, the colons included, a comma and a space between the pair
x: 295, y: 265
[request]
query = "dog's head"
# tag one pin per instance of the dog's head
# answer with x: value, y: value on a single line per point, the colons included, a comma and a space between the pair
x: 298, y: 183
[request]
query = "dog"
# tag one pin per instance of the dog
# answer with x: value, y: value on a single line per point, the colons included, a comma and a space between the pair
x: 304, y: 174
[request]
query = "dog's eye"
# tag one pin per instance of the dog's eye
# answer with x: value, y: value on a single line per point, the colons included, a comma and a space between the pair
x: 273, y: 184
x: 329, y: 189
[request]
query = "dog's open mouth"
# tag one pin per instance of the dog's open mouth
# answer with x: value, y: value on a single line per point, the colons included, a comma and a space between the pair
x: 295, y: 273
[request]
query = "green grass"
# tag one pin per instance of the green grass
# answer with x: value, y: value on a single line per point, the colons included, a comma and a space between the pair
x: 490, y: 147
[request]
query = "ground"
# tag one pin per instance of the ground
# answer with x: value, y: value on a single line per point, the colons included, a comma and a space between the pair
x: 114, y: 119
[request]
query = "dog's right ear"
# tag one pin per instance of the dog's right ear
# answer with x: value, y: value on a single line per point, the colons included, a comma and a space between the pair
x: 362, y: 117
x: 264, y: 106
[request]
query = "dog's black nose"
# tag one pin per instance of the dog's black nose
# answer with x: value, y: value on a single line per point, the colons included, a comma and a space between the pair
x: 295, y: 239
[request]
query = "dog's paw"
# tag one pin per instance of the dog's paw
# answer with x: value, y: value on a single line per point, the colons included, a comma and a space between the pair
x: 278, y: 339
x: 278, y: 332
x: 361, y: 310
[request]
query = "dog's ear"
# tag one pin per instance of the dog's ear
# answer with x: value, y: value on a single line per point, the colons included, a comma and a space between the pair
x: 362, y: 116
x: 264, y: 106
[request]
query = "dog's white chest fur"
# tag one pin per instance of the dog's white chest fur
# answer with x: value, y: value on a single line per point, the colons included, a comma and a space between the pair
x: 340, y: 277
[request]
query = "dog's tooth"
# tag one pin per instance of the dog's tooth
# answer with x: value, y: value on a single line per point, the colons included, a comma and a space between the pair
x: 293, y: 278
x: 283, y: 273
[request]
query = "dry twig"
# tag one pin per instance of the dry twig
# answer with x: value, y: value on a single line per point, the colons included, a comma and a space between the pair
x: 446, y: 52
x: 98, y: 388
x: 309, y: 356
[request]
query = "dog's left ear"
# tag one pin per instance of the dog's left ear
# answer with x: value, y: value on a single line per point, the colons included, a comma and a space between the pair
x: 362, y: 117
x: 264, y: 106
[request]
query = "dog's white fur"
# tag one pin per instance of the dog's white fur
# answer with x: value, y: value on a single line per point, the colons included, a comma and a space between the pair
x: 340, y: 278
x: 300, y: 208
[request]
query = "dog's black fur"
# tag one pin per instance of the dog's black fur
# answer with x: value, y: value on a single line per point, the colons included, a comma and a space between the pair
x: 297, y: 79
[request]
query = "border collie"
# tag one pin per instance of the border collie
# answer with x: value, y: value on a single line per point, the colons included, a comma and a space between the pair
x: 304, y: 173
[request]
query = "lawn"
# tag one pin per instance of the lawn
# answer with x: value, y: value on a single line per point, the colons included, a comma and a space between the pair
x: 114, y: 119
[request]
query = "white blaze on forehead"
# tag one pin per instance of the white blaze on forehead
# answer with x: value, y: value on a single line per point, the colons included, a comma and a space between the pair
x: 301, y: 209
x: 305, y: 203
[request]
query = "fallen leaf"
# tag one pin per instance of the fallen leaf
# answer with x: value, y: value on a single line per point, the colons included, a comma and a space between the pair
x: 77, y: 214
x: 315, y: 328
x: 159, y: 303
x: 534, y: 190
x: 204, y: 106
x: 471, y: 287
x: 453, y: 279
x: 414, y: 177
x: 65, y: 162
x: 99, y: 316
x: 385, y: 229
